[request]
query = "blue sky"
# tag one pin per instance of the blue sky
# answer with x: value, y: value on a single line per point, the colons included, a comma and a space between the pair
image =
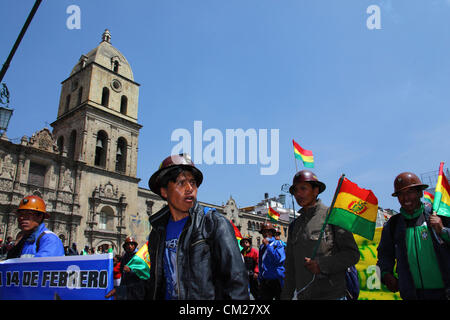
x: 368, y: 103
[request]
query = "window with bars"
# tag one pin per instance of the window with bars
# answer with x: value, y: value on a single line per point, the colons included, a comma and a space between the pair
x: 36, y: 174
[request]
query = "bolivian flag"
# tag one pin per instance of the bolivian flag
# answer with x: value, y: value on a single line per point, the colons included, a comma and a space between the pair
x: 140, y: 263
x: 304, y: 155
x: 273, y: 215
x: 237, y: 234
x: 428, y: 197
x: 355, y: 210
x: 441, y: 203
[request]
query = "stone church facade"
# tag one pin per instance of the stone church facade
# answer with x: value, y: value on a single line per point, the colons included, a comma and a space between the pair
x: 85, y: 168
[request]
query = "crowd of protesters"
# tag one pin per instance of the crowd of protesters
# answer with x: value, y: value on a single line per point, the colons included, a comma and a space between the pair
x: 194, y: 253
x: 6, y: 246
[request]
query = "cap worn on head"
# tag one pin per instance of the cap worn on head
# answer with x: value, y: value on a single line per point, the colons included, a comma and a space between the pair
x: 182, y: 160
x: 307, y: 176
x: 277, y: 231
x: 248, y: 238
x: 268, y: 227
x: 407, y: 180
x: 130, y: 239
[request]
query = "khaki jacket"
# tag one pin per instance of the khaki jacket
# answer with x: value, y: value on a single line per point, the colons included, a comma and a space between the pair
x: 337, y: 252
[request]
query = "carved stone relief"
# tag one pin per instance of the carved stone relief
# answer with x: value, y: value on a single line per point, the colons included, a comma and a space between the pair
x: 43, y: 140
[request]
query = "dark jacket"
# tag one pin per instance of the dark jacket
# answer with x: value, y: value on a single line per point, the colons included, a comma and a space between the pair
x: 392, y: 249
x: 337, y: 252
x: 127, y: 277
x: 209, y: 263
x: 131, y: 286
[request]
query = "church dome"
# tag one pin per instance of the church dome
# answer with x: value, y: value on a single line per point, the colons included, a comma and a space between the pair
x: 107, y: 56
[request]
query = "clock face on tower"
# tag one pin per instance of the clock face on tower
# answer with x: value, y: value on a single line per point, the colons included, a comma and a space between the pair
x: 116, y: 85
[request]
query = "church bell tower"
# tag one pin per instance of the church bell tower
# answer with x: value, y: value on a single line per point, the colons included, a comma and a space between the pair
x: 97, y: 116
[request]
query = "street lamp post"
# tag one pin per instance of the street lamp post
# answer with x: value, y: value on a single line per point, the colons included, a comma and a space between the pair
x: 19, y: 39
x: 5, y: 112
x: 285, y: 188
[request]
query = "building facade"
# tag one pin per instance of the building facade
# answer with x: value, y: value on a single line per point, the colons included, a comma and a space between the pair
x: 85, y: 168
x: 249, y: 220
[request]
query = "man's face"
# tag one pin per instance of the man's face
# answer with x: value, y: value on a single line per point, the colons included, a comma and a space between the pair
x: 267, y: 233
x: 28, y: 220
x: 409, y: 199
x: 305, y: 194
x: 130, y: 247
x: 181, y: 194
x: 245, y: 244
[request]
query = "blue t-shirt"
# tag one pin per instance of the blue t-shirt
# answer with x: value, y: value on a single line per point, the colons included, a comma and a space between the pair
x: 173, y: 232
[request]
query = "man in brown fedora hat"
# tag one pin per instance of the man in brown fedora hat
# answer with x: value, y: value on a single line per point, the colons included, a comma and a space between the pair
x: 271, y: 264
x: 193, y: 249
x: 418, y: 242
x: 324, y: 276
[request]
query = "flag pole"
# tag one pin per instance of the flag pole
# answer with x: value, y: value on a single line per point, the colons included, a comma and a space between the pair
x: 338, y: 188
x: 436, y: 207
x: 295, y: 158
x: 440, y: 174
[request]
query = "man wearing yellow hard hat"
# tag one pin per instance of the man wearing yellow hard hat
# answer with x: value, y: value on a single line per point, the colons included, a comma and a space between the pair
x: 36, y: 240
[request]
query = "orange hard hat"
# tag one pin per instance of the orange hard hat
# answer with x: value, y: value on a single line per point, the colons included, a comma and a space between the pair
x: 33, y: 203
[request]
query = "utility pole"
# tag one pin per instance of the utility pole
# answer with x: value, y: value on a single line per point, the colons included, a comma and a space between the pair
x: 19, y: 39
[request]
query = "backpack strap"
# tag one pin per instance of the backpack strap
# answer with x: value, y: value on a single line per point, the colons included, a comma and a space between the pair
x: 38, y: 240
x: 208, y: 209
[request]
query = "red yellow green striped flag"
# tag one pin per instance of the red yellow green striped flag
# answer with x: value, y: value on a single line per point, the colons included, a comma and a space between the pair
x: 428, y: 197
x: 441, y: 203
x: 237, y: 234
x: 273, y: 215
x: 355, y: 209
x: 140, y: 263
x: 304, y: 155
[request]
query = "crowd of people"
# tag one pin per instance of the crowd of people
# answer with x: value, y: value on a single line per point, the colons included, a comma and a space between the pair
x: 291, y: 271
x: 194, y: 254
x: 10, y: 243
x: 73, y: 251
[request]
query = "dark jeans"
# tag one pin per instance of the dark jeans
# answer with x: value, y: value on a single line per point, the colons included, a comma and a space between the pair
x: 431, y: 294
x: 269, y: 289
x: 254, y: 288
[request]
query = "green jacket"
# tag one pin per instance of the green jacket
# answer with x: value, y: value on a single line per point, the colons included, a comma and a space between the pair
x: 422, y: 259
x: 337, y: 252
